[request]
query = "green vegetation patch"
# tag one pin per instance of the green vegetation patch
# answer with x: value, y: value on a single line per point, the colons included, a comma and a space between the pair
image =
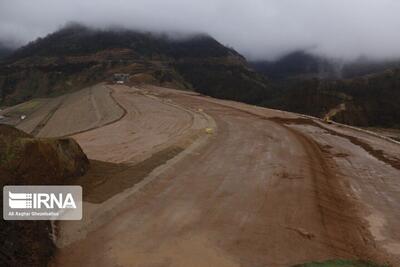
x: 30, y: 105
x: 341, y: 263
x: 26, y: 108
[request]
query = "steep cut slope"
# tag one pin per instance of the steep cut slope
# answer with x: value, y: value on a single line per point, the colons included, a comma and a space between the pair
x: 25, y: 160
x: 77, y: 56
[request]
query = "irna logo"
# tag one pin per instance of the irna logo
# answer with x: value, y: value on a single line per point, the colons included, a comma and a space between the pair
x: 41, y: 200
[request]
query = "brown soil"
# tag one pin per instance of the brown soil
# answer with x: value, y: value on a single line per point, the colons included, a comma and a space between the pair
x: 259, y: 192
x: 92, y: 107
x: 339, y: 212
x: 69, y: 114
x: 46, y: 119
x: 377, y: 153
x: 261, y: 188
x: 105, y: 179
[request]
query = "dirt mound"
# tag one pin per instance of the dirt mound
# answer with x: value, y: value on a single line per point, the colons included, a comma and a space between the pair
x: 25, y: 160
x: 12, y: 133
x: 30, y: 160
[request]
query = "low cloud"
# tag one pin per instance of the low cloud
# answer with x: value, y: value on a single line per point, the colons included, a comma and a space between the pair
x: 259, y: 29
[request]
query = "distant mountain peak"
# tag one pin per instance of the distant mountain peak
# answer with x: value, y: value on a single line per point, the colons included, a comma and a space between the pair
x: 294, y: 64
x: 303, y: 64
x: 78, y: 39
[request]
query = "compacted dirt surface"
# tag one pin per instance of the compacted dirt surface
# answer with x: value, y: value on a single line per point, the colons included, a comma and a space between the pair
x: 71, y: 113
x: 186, y: 180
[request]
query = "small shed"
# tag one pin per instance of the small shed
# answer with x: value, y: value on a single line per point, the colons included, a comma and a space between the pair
x: 120, y: 77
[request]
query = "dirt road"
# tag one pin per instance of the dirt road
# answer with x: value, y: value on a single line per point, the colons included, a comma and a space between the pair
x: 263, y: 188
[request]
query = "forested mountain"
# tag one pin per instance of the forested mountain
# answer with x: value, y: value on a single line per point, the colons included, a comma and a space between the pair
x: 302, y: 64
x: 77, y: 56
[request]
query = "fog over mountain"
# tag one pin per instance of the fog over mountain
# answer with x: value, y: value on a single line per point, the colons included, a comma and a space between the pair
x: 259, y: 29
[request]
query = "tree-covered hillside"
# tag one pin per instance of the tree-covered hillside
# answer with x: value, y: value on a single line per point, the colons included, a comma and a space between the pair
x: 77, y: 56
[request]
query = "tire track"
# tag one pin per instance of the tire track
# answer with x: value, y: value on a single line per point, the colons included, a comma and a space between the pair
x: 376, y: 153
x: 124, y: 112
x: 47, y: 118
x: 233, y: 197
x: 339, y: 213
x: 96, y: 108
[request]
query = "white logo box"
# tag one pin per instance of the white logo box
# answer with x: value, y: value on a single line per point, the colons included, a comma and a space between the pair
x: 42, y: 202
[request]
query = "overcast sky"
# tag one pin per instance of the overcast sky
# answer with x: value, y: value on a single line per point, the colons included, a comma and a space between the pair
x: 263, y: 29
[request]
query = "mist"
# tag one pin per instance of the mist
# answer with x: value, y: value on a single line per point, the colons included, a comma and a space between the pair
x: 259, y: 29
